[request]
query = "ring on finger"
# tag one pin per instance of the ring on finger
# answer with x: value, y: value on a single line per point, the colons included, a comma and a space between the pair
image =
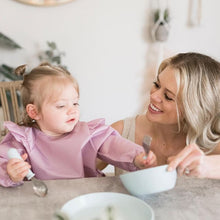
x: 186, y: 171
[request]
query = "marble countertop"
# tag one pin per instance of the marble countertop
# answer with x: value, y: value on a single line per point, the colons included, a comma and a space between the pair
x: 190, y: 199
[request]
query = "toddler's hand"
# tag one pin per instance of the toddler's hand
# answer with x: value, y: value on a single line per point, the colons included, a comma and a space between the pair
x: 145, y: 161
x: 17, y: 169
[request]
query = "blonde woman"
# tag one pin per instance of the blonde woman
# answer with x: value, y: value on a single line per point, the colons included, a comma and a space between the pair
x: 183, y: 117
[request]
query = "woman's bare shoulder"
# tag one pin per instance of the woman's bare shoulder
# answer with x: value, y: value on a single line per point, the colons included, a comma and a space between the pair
x: 118, y: 125
x: 216, y: 150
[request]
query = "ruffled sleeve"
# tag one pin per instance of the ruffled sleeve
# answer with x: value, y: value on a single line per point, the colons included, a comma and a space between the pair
x: 111, y: 146
x: 96, y: 125
x: 100, y: 132
x: 22, y: 134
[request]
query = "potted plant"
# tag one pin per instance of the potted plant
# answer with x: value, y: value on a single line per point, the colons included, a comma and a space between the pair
x: 6, y: 70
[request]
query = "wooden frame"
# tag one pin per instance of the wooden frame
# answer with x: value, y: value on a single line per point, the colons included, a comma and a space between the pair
x: 9, y: 96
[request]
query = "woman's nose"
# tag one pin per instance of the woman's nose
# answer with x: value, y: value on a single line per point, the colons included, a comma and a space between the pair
x: 156, y: 96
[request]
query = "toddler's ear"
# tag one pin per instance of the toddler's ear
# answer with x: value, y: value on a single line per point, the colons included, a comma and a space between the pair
x: 31, y: 110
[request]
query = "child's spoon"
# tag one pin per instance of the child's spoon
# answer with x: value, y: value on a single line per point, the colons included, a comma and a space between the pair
x: 39, y: 187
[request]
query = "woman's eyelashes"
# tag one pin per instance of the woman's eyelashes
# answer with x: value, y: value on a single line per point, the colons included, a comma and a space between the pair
x: 157, y: 86
x: 167, y: 97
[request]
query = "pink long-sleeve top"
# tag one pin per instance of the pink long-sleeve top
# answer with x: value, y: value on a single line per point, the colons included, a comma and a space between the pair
x: 71, y: 155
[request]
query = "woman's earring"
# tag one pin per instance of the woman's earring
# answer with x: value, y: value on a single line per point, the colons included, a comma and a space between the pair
x: 33, y: 121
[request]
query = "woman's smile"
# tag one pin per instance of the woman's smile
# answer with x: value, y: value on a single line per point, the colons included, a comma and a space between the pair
x: 153, y: 109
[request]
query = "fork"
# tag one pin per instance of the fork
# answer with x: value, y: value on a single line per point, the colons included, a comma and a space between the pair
x: 146, y: 144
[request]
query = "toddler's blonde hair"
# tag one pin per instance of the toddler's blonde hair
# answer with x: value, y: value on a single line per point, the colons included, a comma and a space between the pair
x: 42, y: 83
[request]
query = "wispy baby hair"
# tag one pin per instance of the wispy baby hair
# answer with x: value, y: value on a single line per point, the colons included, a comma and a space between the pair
x: 42, y: 83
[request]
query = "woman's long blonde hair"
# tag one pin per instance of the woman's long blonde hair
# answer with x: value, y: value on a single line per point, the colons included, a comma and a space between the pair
x: 198, y: 81
x: 42, y: 83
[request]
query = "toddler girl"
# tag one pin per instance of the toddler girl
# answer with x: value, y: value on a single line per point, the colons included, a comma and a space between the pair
x: 51, y: 139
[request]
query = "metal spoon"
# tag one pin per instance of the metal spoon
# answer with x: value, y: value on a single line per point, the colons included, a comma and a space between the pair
x: 40, y: 188
x: 146, y: 144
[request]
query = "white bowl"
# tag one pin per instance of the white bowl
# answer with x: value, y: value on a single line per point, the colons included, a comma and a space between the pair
x: 96, y: 206
x: 148, y: 181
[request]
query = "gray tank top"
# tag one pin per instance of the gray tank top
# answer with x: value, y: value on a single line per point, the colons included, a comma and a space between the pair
x: 129, y: 129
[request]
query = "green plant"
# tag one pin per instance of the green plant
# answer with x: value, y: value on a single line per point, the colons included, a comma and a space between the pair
x: 5, y: 70
x: 165, y: 16
x: 52, y: 55
x: 8, y: 42
x: 8, y: 72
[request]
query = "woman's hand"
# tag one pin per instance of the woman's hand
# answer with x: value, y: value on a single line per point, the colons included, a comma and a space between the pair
x: 191, y: 161
x: 145, y: 161
x: 17, y: 169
